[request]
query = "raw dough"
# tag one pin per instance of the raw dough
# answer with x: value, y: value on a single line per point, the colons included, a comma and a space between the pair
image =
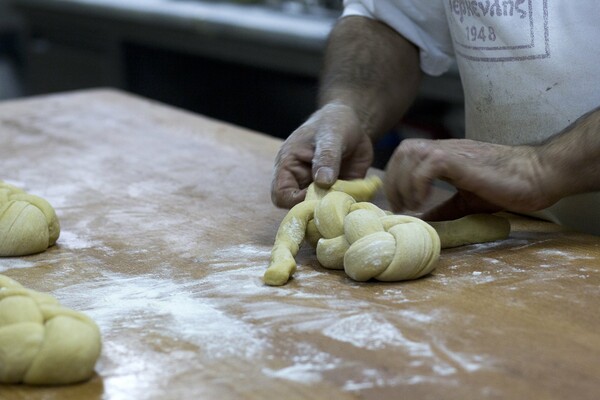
x: 41, y: 342
x: 475, y: 228
x: 298, y: 223
x: 28, y: 223
x: 287, y: 243
x: 367, y: 242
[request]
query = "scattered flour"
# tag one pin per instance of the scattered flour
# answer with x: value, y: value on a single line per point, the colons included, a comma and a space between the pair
x: 8, y: 263
x: 307, y: 367
x: 157, y: 305
x: 71, y: 240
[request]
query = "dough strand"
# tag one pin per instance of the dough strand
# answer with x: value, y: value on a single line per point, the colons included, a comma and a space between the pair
x: 287, y: 243
x: 474, y: 228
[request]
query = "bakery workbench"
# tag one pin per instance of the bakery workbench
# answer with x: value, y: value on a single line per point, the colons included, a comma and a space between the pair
x: 167, y: 227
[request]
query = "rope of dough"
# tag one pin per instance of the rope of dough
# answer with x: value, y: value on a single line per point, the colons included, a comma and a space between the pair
x: 297, y: 223
x: 287, y: 243
x: 367, y: 242
x: 41, y: 342
x: 475, y: 228
x: 28, y: 223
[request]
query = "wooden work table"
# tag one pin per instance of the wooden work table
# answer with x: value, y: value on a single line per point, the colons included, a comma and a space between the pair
x: 167, y: 227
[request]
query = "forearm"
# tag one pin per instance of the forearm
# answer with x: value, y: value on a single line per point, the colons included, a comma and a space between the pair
x: 572, y: 157
x: 372, y: 69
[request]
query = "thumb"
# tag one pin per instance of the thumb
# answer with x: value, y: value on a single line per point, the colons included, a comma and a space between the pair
x: 326, y: 160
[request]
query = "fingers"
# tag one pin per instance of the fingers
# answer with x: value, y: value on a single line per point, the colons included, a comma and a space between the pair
x: 285, y: 191
x: 488, y: 177
x: 342, y: 149
x: 356, y: 164
x: 414, y: 166
x: 329, y: 145
x: 312, y: 152
x: 327, y: 159
x: 292, y: 172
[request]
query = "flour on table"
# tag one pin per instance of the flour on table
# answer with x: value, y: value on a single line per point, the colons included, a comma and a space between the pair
x: 6, y: 264
x: 307, y: 367
x: 120, y: 303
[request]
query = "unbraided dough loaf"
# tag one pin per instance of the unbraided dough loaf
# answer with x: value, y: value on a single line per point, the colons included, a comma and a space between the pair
x: 41, y: 342
x: 367, y: 242
x: 28, y: 223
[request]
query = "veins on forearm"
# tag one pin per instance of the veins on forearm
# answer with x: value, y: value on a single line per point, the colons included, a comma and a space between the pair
x: 575, y: 154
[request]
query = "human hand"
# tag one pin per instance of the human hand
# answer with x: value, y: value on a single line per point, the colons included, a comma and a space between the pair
x: 331, y: 144
x: 489, y: 177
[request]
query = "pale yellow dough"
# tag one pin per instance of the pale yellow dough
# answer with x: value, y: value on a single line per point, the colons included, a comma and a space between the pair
x: 41, y: 342
x: 28, y: 223
x: 475, y: 228
x: 352, y: 234
x: 298, y: 224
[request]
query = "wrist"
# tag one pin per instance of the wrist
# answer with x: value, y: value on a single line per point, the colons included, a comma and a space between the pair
x: 571, y: 156
x: 559, y: 174
x: 370, y: 119
x: 350, y: 113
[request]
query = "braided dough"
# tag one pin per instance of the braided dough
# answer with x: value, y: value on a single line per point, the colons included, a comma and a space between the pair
x: 28, y: 223
x: 367, y: 242
x: 41, y: 342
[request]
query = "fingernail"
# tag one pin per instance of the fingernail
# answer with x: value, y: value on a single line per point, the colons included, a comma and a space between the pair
x: 324, y: 175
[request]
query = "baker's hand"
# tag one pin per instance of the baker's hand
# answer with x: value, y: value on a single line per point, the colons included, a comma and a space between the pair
x: 489, y: 177
x: 329, y: 145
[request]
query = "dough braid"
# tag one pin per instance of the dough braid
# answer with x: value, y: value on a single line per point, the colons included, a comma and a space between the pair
x: 367, y: 242
x: 299, y: 224
x: 28, y: 223
x: 41, y: 342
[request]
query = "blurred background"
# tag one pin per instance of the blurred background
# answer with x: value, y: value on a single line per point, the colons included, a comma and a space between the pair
x: 254, y: 63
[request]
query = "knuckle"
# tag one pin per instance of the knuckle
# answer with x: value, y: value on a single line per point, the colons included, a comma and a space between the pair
x: 280, y: 200
x: 416, y: 146
x: 411, y: 150
x: 326, y: 153
x: 276, y: 199
x: 438, y: 159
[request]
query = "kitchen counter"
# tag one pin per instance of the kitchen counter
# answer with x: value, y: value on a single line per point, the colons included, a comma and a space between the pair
x: 167, y: 228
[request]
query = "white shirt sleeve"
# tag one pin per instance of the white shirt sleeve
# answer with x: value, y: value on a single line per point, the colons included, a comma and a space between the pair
x: 424, y: 23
